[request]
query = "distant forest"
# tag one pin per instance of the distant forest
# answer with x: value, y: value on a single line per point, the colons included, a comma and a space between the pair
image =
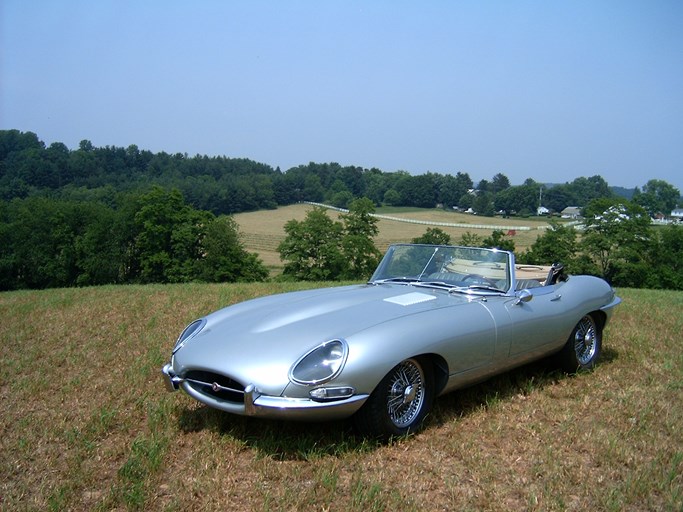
x: 223, y: 185
x: 109, y: 215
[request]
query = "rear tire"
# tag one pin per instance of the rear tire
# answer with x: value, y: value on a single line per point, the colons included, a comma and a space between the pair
x: 399, y: 403
x: 583, y: 347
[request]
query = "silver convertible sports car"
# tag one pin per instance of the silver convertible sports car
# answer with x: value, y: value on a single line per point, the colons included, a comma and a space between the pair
x: 430, y: 320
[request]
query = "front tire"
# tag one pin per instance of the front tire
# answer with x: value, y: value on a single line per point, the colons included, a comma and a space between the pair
x: 399, y: 403
x: 583, y: 347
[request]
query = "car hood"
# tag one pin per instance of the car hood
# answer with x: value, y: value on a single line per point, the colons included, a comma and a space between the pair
x: 271, y: 333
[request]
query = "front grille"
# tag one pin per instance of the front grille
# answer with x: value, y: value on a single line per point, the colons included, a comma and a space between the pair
x: 216, y: 385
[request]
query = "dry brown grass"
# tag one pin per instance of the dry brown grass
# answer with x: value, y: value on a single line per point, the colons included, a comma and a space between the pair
x: 86, y: 423
x: 263, y: 230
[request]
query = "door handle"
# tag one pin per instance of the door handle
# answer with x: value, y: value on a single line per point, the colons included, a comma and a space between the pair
x: 556, y: 297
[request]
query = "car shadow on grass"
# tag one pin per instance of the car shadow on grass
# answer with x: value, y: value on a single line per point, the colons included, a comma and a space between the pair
x: 275, y: 439
x: 294, y: 440
x: 523, y: 380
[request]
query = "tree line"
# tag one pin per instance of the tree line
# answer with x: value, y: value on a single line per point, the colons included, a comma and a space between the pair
x: 223, y: 185
x: 152, y: 237
x: 110, y: 215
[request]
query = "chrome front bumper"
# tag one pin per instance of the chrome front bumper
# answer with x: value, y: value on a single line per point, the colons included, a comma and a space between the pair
x: 171, y: 380
x: 275, y: 407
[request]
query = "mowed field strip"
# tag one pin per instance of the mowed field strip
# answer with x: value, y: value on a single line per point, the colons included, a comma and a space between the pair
x: 263, y: 230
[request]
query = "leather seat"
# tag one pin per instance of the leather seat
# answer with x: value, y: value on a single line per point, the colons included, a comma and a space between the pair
x: 525, y: 284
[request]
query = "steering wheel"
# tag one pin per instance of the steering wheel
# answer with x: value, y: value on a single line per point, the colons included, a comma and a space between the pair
x: 477, y: 279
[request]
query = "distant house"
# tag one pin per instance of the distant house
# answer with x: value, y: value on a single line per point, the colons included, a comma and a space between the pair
x: 542, y: 210
x: 677, y: 213
x: 571, y: 212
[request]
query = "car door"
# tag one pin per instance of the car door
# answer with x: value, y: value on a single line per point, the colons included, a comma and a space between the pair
x: 536, y: 325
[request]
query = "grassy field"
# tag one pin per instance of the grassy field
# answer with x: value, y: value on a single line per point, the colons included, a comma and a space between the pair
x: 87, y: 425
x: 263, y: 230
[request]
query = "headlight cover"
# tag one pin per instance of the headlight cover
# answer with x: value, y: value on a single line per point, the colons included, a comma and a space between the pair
x: 321, y: 364
x: 189, y: 331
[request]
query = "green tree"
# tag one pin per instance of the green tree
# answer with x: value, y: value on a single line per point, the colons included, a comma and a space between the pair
x: 557, y: 244
x: 224, y: 257
x: 616, y: 235
x: 584, y: 190
x: 357, y: 245
x: 466, y: 201
x: 42, y: 241
x: 463, y: 183
x: 499, y: 183
x: 522, y: 199
x: 451, y: 188
x: 499, y: 240
x: 483, y: 204
x: 311, y: 248
x: 666, y: 259
x: 169, y: 232
x: 101, y: 247
x: 313, y: 189
x: 39, y: 242
x: 557, y: 198
x: 392, y: 197
x: 353, y: 179
x: 469, y: 239
x: 658, y: 196
x: 319, y: 248
x: 14, y: 141
x: 420, y: 191
x: 433, y: 236
x: 375, y: 186
x: 341, y: 199
x: 484, y: 186
x: 186, y: 250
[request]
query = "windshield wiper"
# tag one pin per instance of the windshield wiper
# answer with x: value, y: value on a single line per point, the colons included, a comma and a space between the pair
x: 485, y: 287
x: 395, y: 280
x: 474, y: 288
x: 440, y: 284
x: 414, y: 282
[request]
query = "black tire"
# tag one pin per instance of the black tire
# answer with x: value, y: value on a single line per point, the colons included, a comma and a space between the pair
x: 583, y: 347
x: 399, y: 403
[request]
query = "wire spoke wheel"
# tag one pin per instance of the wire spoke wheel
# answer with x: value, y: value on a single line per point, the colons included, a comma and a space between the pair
x: 584, y: 345
x: 585, y: 340
x: 406, y: 393
x: 400, y: 402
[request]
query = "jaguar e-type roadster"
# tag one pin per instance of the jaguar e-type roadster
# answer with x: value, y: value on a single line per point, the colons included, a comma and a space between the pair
x: 431, y: 319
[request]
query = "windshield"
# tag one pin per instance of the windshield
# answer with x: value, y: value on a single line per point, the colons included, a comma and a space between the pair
x: 467, y: 268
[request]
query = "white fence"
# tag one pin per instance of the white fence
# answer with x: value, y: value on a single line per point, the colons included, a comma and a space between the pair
x: 434, y: 223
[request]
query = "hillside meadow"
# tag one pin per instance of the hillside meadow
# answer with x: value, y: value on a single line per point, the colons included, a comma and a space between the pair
x: 86, y: 423
x: 263, y: 230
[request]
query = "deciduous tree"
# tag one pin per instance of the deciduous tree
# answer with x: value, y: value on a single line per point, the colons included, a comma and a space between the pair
x: 357, y: 245
x: 616, y: 235
x: 433, y: 236
x: 557, y: 244
x: 311, y: 248
x: 224, y: 258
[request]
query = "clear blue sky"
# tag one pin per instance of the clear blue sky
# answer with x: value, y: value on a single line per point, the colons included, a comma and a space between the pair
x: 549, y: 90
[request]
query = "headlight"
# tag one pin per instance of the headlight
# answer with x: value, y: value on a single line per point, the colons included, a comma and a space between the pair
x: 321, y: 364
x: 190, y: 330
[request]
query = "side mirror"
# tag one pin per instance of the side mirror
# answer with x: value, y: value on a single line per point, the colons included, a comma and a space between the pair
x: 523, y: 296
